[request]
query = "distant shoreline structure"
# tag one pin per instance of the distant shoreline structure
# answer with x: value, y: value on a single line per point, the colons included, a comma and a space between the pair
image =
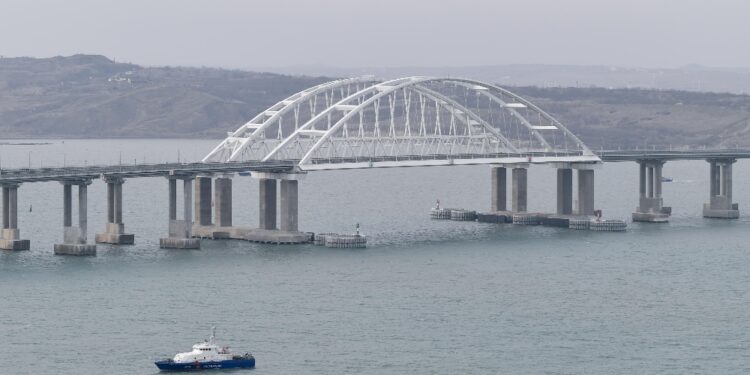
x: 25, y: 143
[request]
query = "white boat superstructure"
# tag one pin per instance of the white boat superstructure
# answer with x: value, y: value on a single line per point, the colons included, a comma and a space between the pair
x: 207, y: 351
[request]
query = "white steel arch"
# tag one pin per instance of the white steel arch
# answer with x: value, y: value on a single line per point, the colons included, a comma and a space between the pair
x: 253, y: 130
x: 422, y: 122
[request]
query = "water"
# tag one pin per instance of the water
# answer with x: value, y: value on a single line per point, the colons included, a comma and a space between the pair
x: 424, y: 297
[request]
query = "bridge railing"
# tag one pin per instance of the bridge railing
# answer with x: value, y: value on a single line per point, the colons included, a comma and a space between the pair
x: 376, y: 159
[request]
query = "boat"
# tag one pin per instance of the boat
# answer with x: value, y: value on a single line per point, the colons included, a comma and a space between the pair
x: 666, y: 179
x: 207, y: 355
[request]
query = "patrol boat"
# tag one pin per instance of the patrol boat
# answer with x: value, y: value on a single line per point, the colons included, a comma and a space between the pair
x: 207, y: 355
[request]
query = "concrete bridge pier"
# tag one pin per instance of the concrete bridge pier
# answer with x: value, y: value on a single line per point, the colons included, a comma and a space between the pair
x: 499, y: 187
x: 223, y: 201
x: 74, y: 238
x: 651, y: 207
x: 203, y: 201
x: 11, y: 238
x: 267, y: 203
x: 720, y: 200
x: 518, y: 191
x: 287, y: 190
x: 585, y: 197
x: 218, y: 226
x: 114, y: 233
x: 519, y: 187
x: 278, y: 209
x: 564, y: 191
x: 180, y: 231
x: 289, y: 205
x: 585, y: 191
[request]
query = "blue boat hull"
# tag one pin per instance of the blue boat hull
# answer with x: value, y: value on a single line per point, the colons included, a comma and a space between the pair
x: 231, y: 363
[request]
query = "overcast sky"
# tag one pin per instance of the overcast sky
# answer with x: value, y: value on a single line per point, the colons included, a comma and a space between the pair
x: 351, y: 33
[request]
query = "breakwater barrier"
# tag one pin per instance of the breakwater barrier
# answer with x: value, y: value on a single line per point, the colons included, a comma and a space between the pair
x: 341, y: 241
x: 576, y: 222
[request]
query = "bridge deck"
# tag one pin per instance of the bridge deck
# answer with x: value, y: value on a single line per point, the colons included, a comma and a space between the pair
x: 665, y: 155
x: 20, y: 175
x: 139, y: 170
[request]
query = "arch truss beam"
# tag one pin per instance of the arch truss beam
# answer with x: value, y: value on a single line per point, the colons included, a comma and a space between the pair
x: 412, y: 121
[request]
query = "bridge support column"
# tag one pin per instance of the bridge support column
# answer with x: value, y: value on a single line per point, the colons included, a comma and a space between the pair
x: 519, y: 182
x: 564, y: 191
x: 11, y: 238
x: 499, y: 187
x: 289, y: 212
x: 287, y: 232
x: 180, y: 231
x: 223, y: 201
x: 586, y: 192
x: 651, y: 208
x: 720, y: 199
x: 221, y: 227
x: 114, y: 232
x: 172, y: 199
x: 203, y: 198
x: 74, y: 238
x: 267, y: 204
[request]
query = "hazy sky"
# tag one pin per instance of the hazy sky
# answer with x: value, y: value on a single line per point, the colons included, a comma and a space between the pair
x: 351, y: 33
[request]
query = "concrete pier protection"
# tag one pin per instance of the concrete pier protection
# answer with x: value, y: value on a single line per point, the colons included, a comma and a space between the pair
x: 74, y: 238
x: 114, y: 233
x: 180, y: 231
x: 720, y: 199
x: 651, y: 207
x: 11, y: 238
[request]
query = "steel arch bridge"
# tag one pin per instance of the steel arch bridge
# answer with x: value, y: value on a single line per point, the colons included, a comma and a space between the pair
x: 413, y: 121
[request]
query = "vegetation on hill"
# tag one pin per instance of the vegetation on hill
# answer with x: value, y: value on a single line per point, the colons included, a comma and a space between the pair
x: 630, y: 118
x: 85, y: 96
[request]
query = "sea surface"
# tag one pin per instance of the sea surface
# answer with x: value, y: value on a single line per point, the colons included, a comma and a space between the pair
x: 425, y: 297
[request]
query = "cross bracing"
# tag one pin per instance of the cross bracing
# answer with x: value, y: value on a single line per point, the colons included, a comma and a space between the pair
x: 363, y: 123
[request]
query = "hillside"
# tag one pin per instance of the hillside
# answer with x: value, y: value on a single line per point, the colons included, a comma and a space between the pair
x: 689, y: 77
x: 92, y: 96
x: 86, y: 96
x: 630, y: 118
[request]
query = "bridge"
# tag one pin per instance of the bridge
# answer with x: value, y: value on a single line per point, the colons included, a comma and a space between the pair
x: 667, y: 155
x: 360, y: 123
